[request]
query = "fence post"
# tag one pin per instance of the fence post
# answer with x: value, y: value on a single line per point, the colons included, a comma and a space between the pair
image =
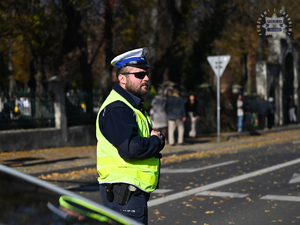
x: 56, y: 85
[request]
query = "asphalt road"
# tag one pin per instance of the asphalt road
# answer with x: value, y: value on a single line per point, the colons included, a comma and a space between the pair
x: 253, y: 183
x: 242, y: 180
x: 248, y: 187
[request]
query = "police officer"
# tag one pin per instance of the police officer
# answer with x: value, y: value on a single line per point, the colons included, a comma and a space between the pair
x: 128, y: 149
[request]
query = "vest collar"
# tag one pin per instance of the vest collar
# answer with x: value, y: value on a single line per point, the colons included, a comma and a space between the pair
x: 135, y: 101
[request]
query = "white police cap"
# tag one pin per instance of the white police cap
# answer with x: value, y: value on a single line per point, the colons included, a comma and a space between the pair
x: 134, y: 58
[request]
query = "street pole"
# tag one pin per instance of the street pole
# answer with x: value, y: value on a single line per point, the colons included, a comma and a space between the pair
x: 218, y: 101
x: 218, y: 64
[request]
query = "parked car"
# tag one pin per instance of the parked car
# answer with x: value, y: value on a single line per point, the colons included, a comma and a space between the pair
x: 25, y: 199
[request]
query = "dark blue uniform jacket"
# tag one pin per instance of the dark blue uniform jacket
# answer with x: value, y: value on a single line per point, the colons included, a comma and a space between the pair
x: 118, y: 125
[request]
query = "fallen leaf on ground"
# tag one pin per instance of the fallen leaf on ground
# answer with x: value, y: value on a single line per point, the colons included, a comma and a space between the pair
x: 209, y: 212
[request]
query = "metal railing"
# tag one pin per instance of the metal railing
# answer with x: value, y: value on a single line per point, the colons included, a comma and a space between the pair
x: 82, y: 107
x: 25, y: 110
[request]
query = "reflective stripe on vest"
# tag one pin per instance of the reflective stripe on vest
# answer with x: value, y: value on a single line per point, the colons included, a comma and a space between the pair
x: 111, y: 168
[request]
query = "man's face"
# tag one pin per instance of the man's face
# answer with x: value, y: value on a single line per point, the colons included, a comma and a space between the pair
x: 137, y: 86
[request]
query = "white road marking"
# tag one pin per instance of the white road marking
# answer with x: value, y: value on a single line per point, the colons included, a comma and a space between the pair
x: 281, y: 198
x: 296, y: 142
x: 160, y: 191
x: 295, y: 178
x: 223, y: 194
x: 170, y: 170
x: 220, y: 183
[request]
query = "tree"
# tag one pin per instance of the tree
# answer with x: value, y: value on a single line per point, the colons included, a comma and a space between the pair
x: 240, y: 39
x: 177, y: 15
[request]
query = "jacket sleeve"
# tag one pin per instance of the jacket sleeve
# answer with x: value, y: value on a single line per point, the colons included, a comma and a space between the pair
x: 119, y: 127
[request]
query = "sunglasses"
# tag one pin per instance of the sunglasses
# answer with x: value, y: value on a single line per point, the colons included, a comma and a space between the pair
x: 139, y: 75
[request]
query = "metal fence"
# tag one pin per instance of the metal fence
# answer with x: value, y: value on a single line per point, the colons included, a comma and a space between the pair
x: 24, y: 110
x: 82, y: 107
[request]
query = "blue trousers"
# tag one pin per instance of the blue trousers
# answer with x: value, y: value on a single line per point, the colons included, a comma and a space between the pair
x: 240, y: 122
x: 136, y: 208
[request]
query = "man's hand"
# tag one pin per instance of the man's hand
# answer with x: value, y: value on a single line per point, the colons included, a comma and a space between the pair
x: 158, y: 134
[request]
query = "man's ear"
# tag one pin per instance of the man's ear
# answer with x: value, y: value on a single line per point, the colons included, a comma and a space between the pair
x: 122, y: 79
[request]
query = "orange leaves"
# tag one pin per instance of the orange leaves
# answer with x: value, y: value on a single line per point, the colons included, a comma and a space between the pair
x: 156, y: 212
x: 188, y: 205
x: 209, y: 212
x: 239, y: 143
x: 72, y: 175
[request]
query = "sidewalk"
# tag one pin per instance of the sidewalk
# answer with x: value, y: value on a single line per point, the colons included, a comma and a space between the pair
x: 209, y: 142
x: 59, y: 160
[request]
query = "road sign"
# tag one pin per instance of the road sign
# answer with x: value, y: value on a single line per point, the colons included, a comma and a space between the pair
x: 218, y: 63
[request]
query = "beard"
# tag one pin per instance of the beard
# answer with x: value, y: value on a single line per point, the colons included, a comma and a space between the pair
x: 137, y: 90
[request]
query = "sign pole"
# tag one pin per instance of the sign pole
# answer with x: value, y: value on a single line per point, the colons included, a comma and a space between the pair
x: 218, y: 64
x: 218, y: 101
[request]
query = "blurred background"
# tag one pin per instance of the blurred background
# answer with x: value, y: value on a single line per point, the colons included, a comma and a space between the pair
x: 73, y: 42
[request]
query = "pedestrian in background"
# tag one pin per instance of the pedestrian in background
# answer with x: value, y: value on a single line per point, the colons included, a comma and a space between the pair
x: 292, y: 110
x: 175, y: 109
x: 158, y: 112
x: 128, y: 149
x: 271, y: 112
x: 262, y: 109
x: 192, y: 108
x: 169, y: 92
x: 240, y: 112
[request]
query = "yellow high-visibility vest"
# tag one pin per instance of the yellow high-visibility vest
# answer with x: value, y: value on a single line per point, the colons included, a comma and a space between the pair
x: 142, y: 173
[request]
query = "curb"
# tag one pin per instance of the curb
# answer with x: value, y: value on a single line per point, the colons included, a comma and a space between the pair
x: 178, y: 150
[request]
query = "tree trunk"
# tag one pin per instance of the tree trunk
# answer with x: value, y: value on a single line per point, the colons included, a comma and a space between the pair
x: 86, y: 72
x: 153, y: 42
x: 106, y: 82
